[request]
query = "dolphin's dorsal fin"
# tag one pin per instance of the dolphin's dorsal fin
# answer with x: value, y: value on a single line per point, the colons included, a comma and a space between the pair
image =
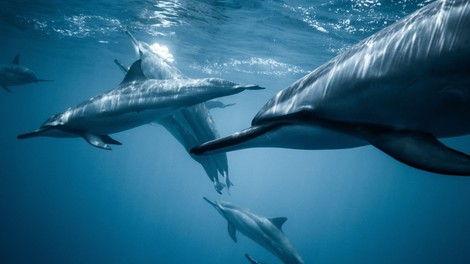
x: 16, y: 59
x: 232, y: 231
x: 134, y: 73
x: 278, y: 221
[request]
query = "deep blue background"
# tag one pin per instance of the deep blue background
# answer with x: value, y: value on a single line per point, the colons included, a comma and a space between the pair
x: 63, y: 201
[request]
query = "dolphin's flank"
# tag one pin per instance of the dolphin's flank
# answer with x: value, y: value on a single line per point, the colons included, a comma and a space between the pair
x: 399, y: 90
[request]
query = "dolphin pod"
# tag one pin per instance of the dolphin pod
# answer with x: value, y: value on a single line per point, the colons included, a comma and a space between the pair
x: 136, y: 101
x: 267, y: 232
x: 14, y: 74
x: 191, y: 125
x: 399, y: 90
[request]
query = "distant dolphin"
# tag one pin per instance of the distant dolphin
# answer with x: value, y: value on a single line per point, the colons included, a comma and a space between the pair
x: 398, y: 90
x: 191, y: 125
x: 252, y: 260
x: 15, y: 74
x: 265, y: 231
x: 216, y: 104
x: 136, y: 101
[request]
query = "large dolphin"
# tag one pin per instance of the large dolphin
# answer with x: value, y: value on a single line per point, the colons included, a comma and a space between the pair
x: 192, y: 125
x: 398, y: 90
x: 136, y: 101
x: 15, y: 74
x: 265, y: 231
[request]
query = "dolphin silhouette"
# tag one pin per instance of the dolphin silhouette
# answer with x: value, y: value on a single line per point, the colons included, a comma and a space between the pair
x: 14, y: 74
x: 398, y: 90
x: 136, y: 101
x: 192, y: 125
x: 251, y: 259
x: 265, y: 231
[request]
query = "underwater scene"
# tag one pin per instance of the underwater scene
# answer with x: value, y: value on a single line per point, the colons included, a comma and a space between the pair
x: 230, y: 131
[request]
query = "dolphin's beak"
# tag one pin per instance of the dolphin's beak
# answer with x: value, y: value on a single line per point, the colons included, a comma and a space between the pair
x: 135, y: 43
x: 35, y: 133
x: 232, y: 142
x: 211, y: 202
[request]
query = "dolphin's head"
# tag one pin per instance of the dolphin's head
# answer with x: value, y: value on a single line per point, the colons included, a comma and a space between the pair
x: 17, y: 75
x: 219, y: 206
x: 26, y: 74
x: 52, y: 127
x: 287, y: 103
x: 213, y: 203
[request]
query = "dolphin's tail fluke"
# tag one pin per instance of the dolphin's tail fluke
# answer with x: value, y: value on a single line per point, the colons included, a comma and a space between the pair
x: 235, y: 141
x: 42, y: 80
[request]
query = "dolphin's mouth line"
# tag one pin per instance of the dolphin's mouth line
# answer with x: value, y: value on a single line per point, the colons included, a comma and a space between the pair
x: 234, y: 139
x: 34, y: 133
x: 309, y: 117
x: 43, y: 129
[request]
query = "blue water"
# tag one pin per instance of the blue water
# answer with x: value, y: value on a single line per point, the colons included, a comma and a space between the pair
x: 64, y: 201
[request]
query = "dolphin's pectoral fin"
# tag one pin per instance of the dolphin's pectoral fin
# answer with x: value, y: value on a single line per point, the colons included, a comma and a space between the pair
x: 96, y: 141
x: 251, y: 259
x: 420, y: 150
x: 121, y: 67
x: 6, y: 88
x: 107, y: 139
x: 278, y: 221
x: 232, y: 232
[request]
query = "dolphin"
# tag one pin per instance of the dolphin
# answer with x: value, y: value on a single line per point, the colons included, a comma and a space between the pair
x: 265, y: 231
x: 192, y: 125
x: 398, y: 90
x: 217, y: 104
x: 251, y: 259
x: 14, y: 74
x: 136, y: 101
